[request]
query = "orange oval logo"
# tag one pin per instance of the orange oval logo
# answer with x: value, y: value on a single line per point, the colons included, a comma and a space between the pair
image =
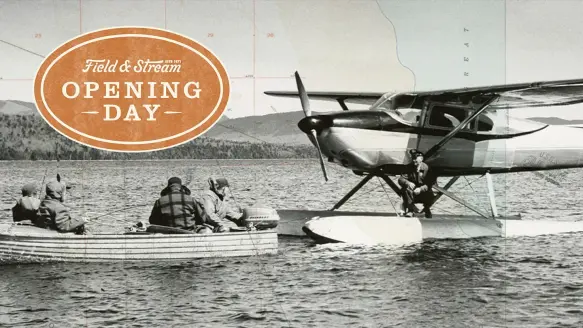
x: 131, y: 89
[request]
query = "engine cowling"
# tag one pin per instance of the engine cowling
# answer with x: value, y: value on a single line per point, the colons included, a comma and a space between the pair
x: 262, y: 218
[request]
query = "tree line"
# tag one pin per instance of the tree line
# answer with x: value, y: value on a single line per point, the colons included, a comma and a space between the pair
x: 29, y: 137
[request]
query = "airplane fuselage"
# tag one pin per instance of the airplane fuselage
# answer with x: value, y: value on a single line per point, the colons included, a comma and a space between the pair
x: 366, y: 141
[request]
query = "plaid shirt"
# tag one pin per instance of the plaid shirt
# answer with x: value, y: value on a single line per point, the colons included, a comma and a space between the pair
x: 177, y: 209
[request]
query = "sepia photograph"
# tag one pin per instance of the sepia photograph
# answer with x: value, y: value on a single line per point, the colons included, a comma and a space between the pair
x: 291, y: 163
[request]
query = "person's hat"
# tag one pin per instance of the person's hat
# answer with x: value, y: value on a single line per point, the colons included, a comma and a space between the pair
x: 222, y: 182
x: 174, y: 180
x: 414, y: 153
x: 28, y: 189
x: 54, y: 189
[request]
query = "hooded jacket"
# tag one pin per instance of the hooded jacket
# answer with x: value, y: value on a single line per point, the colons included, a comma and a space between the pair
x: 53, y: 214
x: 217, y: 209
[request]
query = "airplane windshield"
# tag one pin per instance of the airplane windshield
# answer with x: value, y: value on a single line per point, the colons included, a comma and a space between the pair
x: 410, y: 115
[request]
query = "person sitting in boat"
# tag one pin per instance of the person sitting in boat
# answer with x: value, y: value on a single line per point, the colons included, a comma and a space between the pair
x: 216, y: 206
x: 416, y: 186
x: 53, y: 214
x: 26, y: 207
x: 176, y: 208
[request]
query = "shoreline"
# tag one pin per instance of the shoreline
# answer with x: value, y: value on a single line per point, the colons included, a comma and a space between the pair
x: 157, y: 160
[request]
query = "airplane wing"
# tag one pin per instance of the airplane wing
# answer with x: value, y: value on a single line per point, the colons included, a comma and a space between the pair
x: 532, y: 94
x: 365, y: 98
x: 535, y: 94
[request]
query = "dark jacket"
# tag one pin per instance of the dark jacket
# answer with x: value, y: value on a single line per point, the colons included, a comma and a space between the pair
x: 177, y: 208
x: 26, y: 208
x: 53, y: 214
x: 422, y: 177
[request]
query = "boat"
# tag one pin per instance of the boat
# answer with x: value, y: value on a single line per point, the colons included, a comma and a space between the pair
x: 22, y: 243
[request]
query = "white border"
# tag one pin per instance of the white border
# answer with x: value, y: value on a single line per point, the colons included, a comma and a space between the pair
x: 140, y: 142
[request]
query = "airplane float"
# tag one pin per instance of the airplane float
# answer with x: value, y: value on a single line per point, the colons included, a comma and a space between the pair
x: 466, y: 131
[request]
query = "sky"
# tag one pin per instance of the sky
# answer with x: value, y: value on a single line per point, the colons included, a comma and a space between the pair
x: 342, y: 45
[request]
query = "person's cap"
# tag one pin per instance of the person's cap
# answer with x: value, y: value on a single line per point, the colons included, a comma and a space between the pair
x: 54, y: 188
x: 28, y: 189
x: 415, y: 153
x: 222, y: 182
x: 174, y: 180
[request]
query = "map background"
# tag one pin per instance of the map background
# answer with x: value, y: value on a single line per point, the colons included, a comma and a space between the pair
x: 359, y: 45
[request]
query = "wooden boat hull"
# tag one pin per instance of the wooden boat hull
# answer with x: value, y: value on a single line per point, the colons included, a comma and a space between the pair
x: 27, y: 244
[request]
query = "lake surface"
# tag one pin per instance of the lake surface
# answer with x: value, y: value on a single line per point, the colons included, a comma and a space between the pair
x: 534, y: 281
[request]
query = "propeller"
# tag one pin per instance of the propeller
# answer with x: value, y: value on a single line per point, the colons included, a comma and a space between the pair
x: 308, y: 112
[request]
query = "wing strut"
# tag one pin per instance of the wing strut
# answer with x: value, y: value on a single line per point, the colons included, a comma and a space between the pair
x: 437, y: 147
x: 446, y: 187
x: 342, y: 104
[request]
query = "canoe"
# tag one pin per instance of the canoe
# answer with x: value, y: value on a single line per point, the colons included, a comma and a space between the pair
x: 30, y: 244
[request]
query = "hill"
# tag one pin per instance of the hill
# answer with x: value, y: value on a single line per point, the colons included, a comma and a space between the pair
x: 273, y: 128
x: 556, y: 121
x: 17, y: 107
x: 269, y: 136
x: 26, y: 136
x: 282, y: 128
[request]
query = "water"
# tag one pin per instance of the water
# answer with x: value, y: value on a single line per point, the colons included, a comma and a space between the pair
x: 533, y: 281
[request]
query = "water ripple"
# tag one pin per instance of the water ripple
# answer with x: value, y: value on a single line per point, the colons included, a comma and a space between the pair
x: 516, y: 282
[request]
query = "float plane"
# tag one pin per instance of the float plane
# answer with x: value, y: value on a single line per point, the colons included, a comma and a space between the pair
x: 466, y: 131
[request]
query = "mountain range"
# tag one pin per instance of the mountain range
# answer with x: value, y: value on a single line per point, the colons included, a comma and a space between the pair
x: 276, y: 128
x: 26, y: 136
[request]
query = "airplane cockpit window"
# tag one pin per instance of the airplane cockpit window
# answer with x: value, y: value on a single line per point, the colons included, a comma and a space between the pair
x: 485, y: 124
x: 447, y: 117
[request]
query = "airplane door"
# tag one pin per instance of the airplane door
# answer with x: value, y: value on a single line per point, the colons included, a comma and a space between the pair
x: 439, y: 120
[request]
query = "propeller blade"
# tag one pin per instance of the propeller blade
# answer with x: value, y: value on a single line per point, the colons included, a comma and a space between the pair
x: 303, y: 95
x: 320, y: 155
x: 308, y: 112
